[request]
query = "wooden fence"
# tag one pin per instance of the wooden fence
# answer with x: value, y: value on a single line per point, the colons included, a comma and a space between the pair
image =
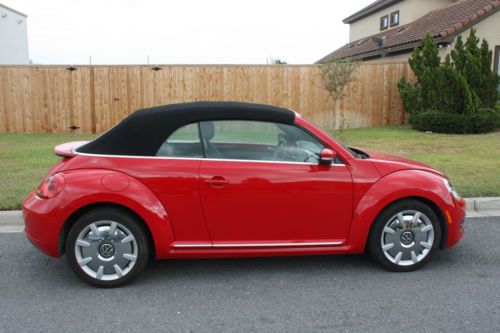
x: 91, y: 99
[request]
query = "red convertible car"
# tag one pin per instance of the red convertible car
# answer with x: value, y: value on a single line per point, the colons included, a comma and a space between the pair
x: 226, y: 179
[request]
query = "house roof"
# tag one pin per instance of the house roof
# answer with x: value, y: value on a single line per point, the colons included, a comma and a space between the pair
x: 370, y: 9
x: 12, y: 10
x: 443, y: 24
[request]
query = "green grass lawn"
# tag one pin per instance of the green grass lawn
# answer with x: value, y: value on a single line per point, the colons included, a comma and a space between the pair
x: 24, y: 160
x: 471, y: 161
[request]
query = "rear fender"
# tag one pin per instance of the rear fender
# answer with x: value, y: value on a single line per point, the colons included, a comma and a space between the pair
x: 87, y: 187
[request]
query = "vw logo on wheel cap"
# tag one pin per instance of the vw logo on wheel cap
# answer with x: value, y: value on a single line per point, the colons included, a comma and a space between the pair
x: 106, y: 250
x: 407, y: 237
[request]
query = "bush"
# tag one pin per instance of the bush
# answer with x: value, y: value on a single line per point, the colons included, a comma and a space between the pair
x: 410, y: 94
x: 482, y: 121
x: 497, y: 110
x: 462, y: 88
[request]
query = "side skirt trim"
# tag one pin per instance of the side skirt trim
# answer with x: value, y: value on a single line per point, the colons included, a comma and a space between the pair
x: 254, y: 245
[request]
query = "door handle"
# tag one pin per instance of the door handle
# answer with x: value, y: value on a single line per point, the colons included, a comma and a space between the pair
x: 217, y: 181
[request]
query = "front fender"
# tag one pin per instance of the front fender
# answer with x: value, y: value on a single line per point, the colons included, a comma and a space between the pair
x: 390, y: 188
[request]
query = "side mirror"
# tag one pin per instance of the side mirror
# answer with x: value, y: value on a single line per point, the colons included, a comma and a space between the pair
x: 326, y: 157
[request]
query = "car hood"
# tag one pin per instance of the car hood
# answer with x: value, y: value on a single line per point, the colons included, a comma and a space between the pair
x: 387, y: 163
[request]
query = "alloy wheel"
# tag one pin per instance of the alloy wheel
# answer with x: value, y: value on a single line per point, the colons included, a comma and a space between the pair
x: 407, y: 238
x: 106, y: 250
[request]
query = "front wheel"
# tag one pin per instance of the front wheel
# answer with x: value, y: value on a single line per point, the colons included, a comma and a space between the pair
x: 405, y: 236
x: 107, y: 247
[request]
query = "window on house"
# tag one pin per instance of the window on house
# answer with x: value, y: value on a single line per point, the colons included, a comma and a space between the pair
x: 394, y: 18
x: 384, y: 22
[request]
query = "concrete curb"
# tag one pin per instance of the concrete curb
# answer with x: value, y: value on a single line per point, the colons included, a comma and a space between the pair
x: 481, y: 204
x: 480, y: 207
x: 12, y: 220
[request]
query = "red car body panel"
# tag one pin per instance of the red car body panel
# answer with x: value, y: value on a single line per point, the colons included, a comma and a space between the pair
x: 196, y: 208
x: 402, y: 184
x: 173, y: 182
x: 276, y: 202
x: 83, y: 188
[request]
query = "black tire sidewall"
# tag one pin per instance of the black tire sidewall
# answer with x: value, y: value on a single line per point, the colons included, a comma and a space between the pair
x: 110, y: 214
x: 374, y: 244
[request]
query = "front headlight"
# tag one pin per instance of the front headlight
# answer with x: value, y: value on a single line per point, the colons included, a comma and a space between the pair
x: 451, y: 189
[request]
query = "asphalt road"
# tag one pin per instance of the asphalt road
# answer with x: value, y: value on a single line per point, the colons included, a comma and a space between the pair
x: 458, y: 291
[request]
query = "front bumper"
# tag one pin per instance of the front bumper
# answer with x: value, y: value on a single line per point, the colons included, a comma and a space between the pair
x: 455, y: 218
x: 42, y: 223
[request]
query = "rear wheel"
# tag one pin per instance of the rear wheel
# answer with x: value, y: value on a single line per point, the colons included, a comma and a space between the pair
x: 405, y: 236
x: 107, y: 247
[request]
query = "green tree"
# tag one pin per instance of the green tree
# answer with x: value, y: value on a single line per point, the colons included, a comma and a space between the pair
x: 474, y: 62
x: 458, y: 54
x: 336, y: 76
x: 488, y: 92
x: 425, y: 94
x: 410, y: 94
x: 456, y: 94
x: 472, y: 70
x: 276, y: 61
x: 463, y: 83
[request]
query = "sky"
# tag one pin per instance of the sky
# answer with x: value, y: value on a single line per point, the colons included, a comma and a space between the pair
x: 184, y: 31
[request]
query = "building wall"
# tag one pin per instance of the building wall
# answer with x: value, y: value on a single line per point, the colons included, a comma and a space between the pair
x: 409, y: 10
x: 487, y: 29
x: 13, y: 37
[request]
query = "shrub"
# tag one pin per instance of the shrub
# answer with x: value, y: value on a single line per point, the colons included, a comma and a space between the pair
x: 457, y: 96
x: 410, y: 94
x: 497, y: 111
x: 426, y: 92
x: 443, y: 122
x: 488, y: 90
x: 462, y: 88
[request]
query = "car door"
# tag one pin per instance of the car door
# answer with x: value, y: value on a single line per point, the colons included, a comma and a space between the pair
x: 261, y: 185
x: 173, y: 175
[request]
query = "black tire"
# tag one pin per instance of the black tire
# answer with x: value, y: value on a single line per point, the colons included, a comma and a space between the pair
x: 375, y: 238
x: 123, y: 219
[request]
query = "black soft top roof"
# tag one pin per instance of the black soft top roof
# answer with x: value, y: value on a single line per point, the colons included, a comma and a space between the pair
x: 144, y: 131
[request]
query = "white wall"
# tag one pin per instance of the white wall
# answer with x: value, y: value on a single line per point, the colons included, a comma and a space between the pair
x: 13, y: 37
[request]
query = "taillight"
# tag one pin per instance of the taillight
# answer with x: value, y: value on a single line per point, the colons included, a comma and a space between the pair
x: 51, y: 186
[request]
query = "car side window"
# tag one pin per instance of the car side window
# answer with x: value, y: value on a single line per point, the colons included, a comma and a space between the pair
x: 259, y: 141
x: 183, y: 142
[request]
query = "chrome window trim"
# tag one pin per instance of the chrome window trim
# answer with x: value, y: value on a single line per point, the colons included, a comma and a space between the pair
x: 243, y: 245
x: 200, y: 159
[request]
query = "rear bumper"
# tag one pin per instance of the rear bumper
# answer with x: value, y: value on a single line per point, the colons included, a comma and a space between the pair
x: 42, y: 224
x: 455, y: 218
